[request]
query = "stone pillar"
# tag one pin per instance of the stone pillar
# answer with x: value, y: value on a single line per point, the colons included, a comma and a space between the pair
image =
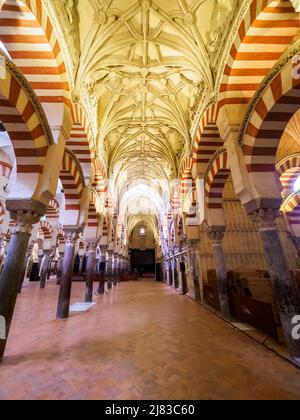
x: 116, y: 270
x: 184, y: 283
x: 28, y: 254
x: 45, y: 268
x: 175, y: 274
x: 101, y: 289
x: 14, y: 265
x: 110, y: 269
x: 171, y: 272
x: 81, y: 257
x: 90, y: 268
x: 216, y: 235
x: 60, y: 266
x: 193, y: 261
x: 63, y: 305
x: 286, y: 292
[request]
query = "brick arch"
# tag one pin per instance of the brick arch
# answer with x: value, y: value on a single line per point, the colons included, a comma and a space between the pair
x: 269, y: 114
x: 186, y: 178
x: 215, y: 180
x: 30, y: 39
x: 72, y: 179
x: 53, y: 210
x: 23, y: 119
x: 81, y: 140
x: 93, y: 215
x: 46, y: 229
x: 2, y: 215
x: 100, y: 179
x: 105, y: 226
x: 61, y: 238
x: 288, y: 170
x: 207, y: 140
x: 265, y: 33
x: 291, y: 203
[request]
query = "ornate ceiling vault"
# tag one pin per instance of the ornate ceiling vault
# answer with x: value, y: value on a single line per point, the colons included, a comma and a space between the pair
x: 141, y: 69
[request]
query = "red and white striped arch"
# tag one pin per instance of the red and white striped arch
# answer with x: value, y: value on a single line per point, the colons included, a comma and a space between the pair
x: 268, y: 120
x: 187, y: 182
x: 81, y: 140
x: 28, y: 35
x: 100, y: 183
x: 264, y: 35
x: 46, y: 229
x: 5, y: 169
x: 105, y: 226
x: 216, y: 177
x: 93, y: 215
x: 191, y: 204
x: 72, y: 180
x: 289, y: 170
x: 53, y: 210
x: 2, y: 215
x: 61, y: 238
x: 207, y: 140
x: 23, y: 123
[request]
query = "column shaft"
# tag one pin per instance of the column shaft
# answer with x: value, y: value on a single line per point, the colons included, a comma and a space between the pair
x: 90, y: 267
x: 10, y: 280
x: 63, y: 306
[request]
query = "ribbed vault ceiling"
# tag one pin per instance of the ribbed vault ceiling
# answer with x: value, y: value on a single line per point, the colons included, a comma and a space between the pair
x: 145, y: 62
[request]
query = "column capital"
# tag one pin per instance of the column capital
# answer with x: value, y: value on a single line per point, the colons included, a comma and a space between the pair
x: 265, y: 219
x: 91, y: 244
x: 72, y: 235
x: 215, y: 233
x: 25, y: 214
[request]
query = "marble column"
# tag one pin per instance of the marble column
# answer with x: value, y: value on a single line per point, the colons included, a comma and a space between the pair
x: 116, y: 270
x: 216, y: 235
x: 63, y: 306
x: 286, y: 292
x: 60, y: 267
x: 194, y: 269
x: 110, y: 269
x: 184, y: 283
x: 28, y: 254
x: 90, y: 269
x: 45, y: 268
x: 171, y: 272
x: 101, y: 289
x: 14, y: 267
x: 175, y: 274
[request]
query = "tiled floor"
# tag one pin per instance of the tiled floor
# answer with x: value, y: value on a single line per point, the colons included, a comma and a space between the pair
x: 142, y: 341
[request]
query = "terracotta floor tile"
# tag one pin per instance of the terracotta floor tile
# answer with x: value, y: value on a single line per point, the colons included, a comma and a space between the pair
x: 141, y: 341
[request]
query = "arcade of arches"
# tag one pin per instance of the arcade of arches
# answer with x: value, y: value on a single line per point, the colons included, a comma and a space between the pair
x: 153, y: 127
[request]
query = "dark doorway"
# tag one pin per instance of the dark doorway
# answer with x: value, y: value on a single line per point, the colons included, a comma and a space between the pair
x: 143, y: 261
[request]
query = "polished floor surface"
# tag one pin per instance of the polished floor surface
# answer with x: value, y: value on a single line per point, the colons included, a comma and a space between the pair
x: 141, y: 341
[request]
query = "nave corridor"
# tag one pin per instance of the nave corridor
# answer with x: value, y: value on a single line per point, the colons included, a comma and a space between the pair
x: 141, y: 341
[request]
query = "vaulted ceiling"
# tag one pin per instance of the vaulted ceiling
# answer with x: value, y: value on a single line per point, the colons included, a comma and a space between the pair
x: 141, y: 69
